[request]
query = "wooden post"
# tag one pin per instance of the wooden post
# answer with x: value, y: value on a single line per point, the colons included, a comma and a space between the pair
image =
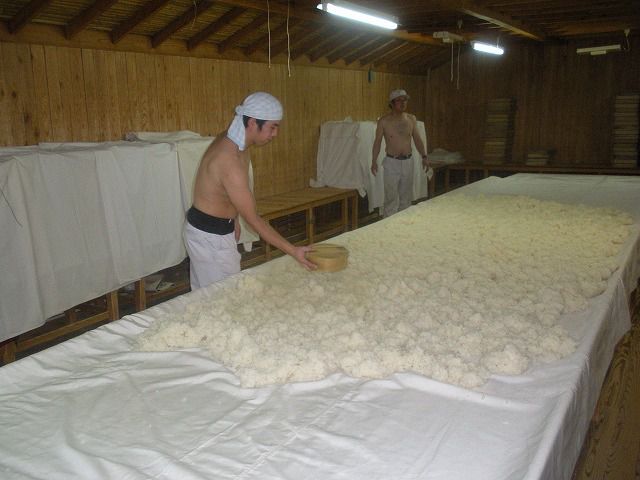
x: 112, y: 305
x: 140, y: 295
x: 8, y: 351
x: 354, y: 211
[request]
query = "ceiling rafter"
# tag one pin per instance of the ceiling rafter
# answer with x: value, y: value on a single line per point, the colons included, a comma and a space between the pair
x: 132, y: 22
x: 242, y: 32
x: 189, y: 15
x: 315, y: 15
x: 347, y: 47
x: 504, y: 21
x: 320, y: 37
x: 411, y: 52
x: 275, y: 34
x: 327, y: 48
x: 382, y: 59
x: 30, y: 10
x: 221, y: 22
x: 86, y: 17
x: 381, y: 50
x: 298, y: 36
x: 368, y: 47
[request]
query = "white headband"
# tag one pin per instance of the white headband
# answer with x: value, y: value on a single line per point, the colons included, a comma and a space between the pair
x: 259, y: 105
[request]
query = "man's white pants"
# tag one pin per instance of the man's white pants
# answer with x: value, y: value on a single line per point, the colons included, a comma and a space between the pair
x: 212, y: 257
x: 398, y: 184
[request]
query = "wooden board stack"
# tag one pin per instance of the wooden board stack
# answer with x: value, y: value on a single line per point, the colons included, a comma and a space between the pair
x: 538, y: 158
x: 499, y: 130
x: 626, y: 130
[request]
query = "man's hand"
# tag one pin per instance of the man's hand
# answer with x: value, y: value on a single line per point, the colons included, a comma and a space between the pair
x: 299, y: 253
x: 374, y: 168
x: 425, y: 162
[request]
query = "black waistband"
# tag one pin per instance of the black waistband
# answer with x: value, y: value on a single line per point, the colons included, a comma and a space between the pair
x: 209, y: 223
x: 400, y: 157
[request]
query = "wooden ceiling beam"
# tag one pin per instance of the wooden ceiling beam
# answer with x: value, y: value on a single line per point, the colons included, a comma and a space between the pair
x: 189, y: 15
x: 275, y: 34
x: 212, y: 28
x: 324, y: 50
x: 25, y: 14
x: 310, y: 13
x: 86, y: 17
x: 381, y: 50
x: 398, y: 56
x: 132, y: 22
x: 300, y: 35
x: 368, y: 47
x: 409, y: 55
x: 347, y: 47
x: 319, y: 37
x: 242, y: 33
x: 503, y: 21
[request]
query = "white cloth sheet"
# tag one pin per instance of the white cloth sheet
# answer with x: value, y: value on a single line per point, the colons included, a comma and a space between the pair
x: 80, y: 220
x: 344, y: 161
x: 93, y: 407
x: 191, y: 147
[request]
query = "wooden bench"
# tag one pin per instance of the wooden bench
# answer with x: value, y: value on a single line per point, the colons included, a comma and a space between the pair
x: 306, y: 200
x: 67, y: 325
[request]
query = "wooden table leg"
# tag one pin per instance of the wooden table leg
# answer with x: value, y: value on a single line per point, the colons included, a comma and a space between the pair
x: 8, y: 351
x: 345, y: 215
x: 310, y: 225
x: 140, y: 295
x: 354, y: 211
x: 112, y: 305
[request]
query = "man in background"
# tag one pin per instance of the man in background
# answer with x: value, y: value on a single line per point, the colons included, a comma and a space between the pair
x: 398, y: 128
x: 222, y: 192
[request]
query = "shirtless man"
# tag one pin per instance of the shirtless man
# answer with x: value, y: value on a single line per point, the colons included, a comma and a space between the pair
x: 222, y: 192
x: 397, y: 128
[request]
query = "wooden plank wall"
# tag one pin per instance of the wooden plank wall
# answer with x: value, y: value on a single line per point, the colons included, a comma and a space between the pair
x: 54, y: 93
x: 564, y: 100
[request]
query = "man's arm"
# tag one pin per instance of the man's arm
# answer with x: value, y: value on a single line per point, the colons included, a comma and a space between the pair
x: 236, y: 185
x: 377, y: 143
x: 419, y: 145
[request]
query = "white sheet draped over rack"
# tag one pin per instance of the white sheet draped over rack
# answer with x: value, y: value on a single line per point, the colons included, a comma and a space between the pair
x: 108, y: 411
x: 344, y: 161
x: 80, y: 220
x: 191, y: 147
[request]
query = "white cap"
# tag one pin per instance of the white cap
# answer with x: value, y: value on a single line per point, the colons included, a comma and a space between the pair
x: 259, y: 105
x: 398, y: 93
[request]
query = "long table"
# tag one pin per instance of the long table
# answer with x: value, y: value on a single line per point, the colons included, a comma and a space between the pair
x: 511, y: 168
x: 109, y: 410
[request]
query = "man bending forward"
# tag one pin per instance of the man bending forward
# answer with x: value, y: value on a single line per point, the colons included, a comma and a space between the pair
x: 221, y: 192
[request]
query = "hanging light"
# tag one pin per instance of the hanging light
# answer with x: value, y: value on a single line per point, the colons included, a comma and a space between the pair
x: 486, y: 48
x: 359, y: 14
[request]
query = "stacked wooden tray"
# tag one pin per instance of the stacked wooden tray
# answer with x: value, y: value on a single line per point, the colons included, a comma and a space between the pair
x: 626, y: 130
x: 539, y: 158
x: 499, y: 131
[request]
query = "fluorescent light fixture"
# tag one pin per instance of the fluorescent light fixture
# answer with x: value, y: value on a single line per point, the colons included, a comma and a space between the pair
x: 601, y: 50
x: 486, y: 48
x: 358, y: 13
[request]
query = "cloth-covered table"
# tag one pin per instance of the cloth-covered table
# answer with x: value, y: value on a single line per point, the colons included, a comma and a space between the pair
x: 95, y: 407
x: 80, y: 220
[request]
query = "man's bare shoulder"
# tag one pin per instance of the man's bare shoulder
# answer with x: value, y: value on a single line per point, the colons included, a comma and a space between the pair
x: 221, y: 153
